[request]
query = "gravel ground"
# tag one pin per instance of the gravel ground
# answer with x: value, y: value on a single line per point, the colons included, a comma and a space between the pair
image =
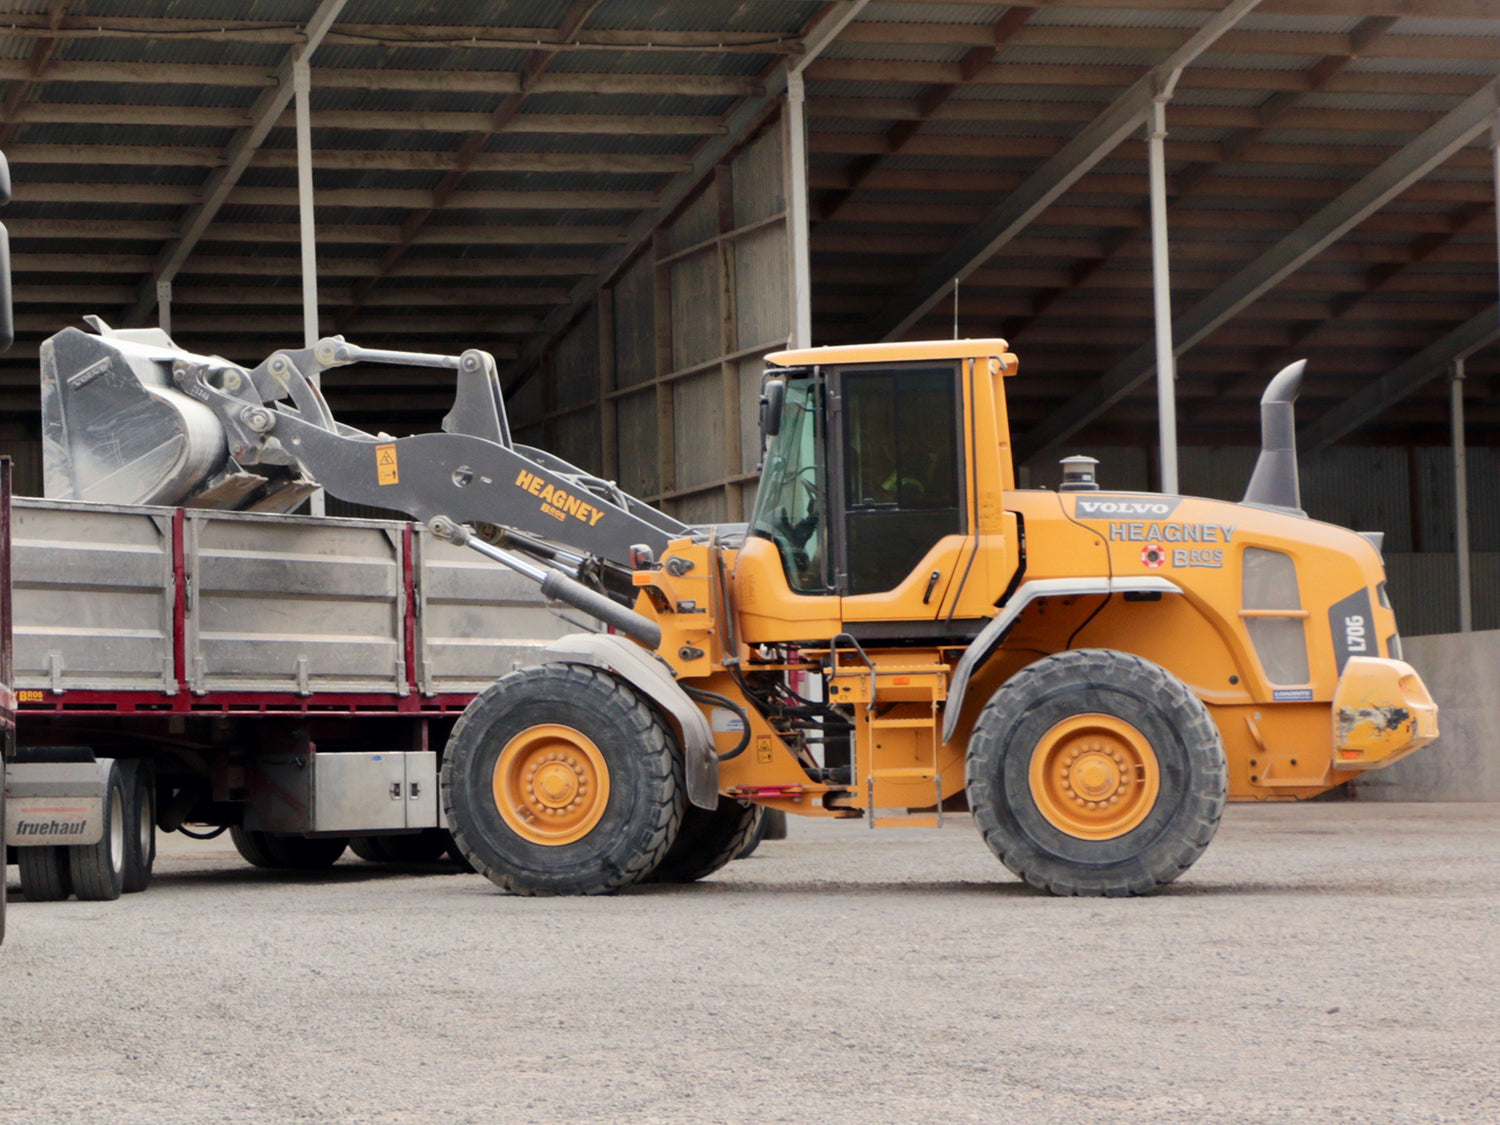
x: 1322, y: 963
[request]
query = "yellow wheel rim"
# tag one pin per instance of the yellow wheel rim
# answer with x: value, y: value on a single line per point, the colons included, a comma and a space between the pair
x: 551, y: 784
x: 1094, y: 776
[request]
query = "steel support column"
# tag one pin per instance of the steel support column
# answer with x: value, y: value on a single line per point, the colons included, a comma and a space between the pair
x: 1161, y: 288
x: 1398, y: 172
x: 1461, y: 499
x: 796, y: 116
x: 302, y: 94
x: 302, y: 81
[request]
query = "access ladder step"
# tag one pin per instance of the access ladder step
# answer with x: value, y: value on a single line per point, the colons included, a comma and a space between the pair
x: 924, y: 723
x: 910, y: 774
x: 923, y: 820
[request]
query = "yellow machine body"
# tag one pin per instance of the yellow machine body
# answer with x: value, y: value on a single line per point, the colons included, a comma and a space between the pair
x: 1279, y: 624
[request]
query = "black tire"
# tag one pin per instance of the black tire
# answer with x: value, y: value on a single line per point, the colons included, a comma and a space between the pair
x: 288, y: 853
x: 45, y: 876
x: 593, y: 735
x: 455, y: 853
x: 368, y: 849
x: 775, y: 824
x: 1153, y: 838
x: 772, y: 827
x: 708, y: 839
x: 252, y: 847
x: 98, y: 869
x: 426, y: 846
x: 140, y: 827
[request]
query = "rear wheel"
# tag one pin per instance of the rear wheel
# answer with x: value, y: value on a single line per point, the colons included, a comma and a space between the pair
x: 1094, y: 772
x: 287, y: 853
x: 252, y: 846
x: 98, y: 869
x: 368, y: 849
x: 427, y: 846
x: 140, y: 828
x: 562, y: 780
x: 708, y: 839
x: 44, y: 873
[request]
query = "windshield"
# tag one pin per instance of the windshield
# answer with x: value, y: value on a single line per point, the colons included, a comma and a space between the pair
x: 789, y: 508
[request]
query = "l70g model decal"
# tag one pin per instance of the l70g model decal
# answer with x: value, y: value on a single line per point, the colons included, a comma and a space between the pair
x: 1353, y: 628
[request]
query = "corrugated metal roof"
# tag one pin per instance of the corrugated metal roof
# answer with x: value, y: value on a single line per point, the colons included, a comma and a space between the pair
x: 881, y: 12
x: 902, y: 164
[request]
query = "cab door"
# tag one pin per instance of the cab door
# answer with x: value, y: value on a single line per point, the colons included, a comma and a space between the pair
x: 899, y: 506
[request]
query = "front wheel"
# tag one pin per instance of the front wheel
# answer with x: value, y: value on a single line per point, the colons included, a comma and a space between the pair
x: 562, y: 780
x: 1094, y: 772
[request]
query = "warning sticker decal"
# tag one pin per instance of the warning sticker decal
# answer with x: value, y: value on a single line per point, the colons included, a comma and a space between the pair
x: 385, y: 465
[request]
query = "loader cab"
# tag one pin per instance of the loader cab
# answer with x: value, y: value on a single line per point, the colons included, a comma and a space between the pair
x: 863, y: 475
x: 866, y: 487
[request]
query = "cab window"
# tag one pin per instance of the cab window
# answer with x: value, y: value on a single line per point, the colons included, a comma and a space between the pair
x: 901, y: 458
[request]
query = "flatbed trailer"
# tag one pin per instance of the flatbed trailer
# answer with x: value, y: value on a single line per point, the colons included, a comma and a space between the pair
x: 291, y: 678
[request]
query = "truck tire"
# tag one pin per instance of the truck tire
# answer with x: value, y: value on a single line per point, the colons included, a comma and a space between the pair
x: 367, y: 848
x: 562, y: 780
x: 44, y: 873
x: 252, y: 847
x: 140, y: 827
x: 287, y: 853
x: 426, y: 846
x: 708, y: 839
x: 1093, y: 772
x: 98, y: 869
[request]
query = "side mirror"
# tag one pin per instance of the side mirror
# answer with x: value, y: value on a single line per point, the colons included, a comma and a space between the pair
x: 7, y: 320
x: 772, y: 395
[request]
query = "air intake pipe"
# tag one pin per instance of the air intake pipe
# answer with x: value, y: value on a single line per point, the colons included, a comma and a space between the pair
x: 1274, y: 482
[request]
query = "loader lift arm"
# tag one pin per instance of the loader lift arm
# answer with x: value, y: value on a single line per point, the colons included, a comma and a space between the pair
x: 208, y: 432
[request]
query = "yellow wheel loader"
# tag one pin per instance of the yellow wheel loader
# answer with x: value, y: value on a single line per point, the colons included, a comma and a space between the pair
x: 898, y: 634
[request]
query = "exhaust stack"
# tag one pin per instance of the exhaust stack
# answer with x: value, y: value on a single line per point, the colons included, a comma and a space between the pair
x: 1274, y: 482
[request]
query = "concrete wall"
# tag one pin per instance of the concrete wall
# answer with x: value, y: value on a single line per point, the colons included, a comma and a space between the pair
x: 1462, y: 670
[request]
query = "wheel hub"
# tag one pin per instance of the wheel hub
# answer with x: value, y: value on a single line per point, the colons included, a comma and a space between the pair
x: 551, y: 784
x: 559, y: 783
x: 1094, y: 776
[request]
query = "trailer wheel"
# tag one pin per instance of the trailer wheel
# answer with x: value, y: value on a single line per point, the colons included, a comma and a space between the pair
x: 287, y: 853
x: 44, y: 873
x: 1094, y: 772
x: 708, y: 839
x: 252, y: 847
x: 98, y: 869
x: 367, y: 848
x: 562, y: 780
x: 140, y: 828
x: 426, y: 846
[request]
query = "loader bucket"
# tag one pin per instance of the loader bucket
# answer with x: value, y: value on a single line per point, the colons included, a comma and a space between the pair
x: 116, y: 430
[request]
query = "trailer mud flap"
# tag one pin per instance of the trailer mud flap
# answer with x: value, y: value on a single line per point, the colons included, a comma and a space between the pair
x: 641, y: 670
x: 55, y: 802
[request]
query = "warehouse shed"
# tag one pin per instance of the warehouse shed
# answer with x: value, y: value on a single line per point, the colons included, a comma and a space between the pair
x: 630, y: 204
